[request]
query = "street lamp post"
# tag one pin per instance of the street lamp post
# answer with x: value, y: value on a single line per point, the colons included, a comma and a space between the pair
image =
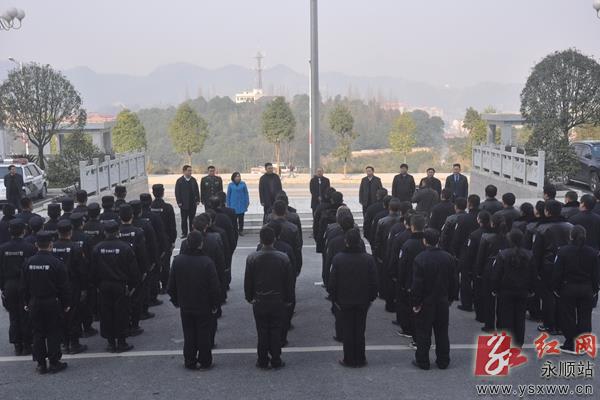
x: 596, y: 6
x: 11, y: 19
x: 314, y: 136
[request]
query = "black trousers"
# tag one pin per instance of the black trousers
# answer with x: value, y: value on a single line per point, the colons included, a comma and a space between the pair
x: 353, y: 319
x: 575, y: 305
x: 197, y: 342
x: 88, y: 307
x: 478, y: 298
x: 187, y: 216
x: 433, y: 316
x: 534, y: 303
x: 71, y: 321
x: 114, y: 310
x: 15, y: 201
x: 240, y: 222
x: 511, y: 315
x: 549, y: 306
x: 136, y: 302
x: 269, y: 317
x: 404, y: 313
x: 466, y: 289
x: 165, y: 267
x: 19, y: 328
x: 45, y: 320
x: 489, y: 303
x: 266, y: 211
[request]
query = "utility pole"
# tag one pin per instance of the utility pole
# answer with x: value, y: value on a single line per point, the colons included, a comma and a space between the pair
x: 315, y: 99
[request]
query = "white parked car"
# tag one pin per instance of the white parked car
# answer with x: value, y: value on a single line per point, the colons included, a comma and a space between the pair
x: 34, y: 178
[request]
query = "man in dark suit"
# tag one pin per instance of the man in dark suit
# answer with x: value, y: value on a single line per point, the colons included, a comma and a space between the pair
x: 187, y: 195
x: 403, y: 186
x: 432, y: 181
x: 457, y: 183
x: 210, y: 185
x: 369, y: 185
x: 318, y: 185
x: 13, y: 182
x: 269, y: 185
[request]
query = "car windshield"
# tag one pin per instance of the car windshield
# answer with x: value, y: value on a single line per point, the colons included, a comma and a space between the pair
x: 4, y: 171
x: 596, y: 151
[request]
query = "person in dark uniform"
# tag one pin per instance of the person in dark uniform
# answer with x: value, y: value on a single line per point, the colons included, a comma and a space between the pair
x: 13, y: 182
x: 433, y: 285
x: 53, y: 218
x: 67, y: 206
x: 571, y: 206
x: 491, y: 204
x: 550, y: 235
x: 489, y: 247
x: 404, y: 276
x: 166, y: 212
x: 134, y: 237
x: 108, y: 210
x: 513, y: 278
x: 93, y: 229
x: 457, y: 183
x: 194, y: 288
x: 26, y: 212
x: 372, y: 211
x: 210, y: 185
x: 441, y: 211
x: 589, y: 220
x: 426, y: 198
x: 289, y: 232
x: 269, y: 185
x: 449, y: 227
x: 116, y: 274
x: 318, y: 185
x: 162, y: 241
x: 576, y: 284
x: 46, y: 296
x: 13, y: 255
x: 403, y: 186
x: 431, y: 181
x: 353, y: 287
x: 468, y: 263
x: 369, y: 185
x: 71, y: 254
x: 527, y: 216
x: 509, y: 212
x: 81, y: 197
x: 465, y: 225
x: 120, y: 197
x: 8, y: 214
x: 36, y: 224
x: 268, y: 287
x: 187, y: 195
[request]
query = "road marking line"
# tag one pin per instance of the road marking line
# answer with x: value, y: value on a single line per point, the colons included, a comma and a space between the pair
x: 312, y: 349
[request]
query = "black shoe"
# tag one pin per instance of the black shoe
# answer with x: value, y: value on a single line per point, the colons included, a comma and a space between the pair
x: 122, y: 347
x: 442, y: 366
x: 146, y: 315
x: 262, y: 365
x: 277, y: 364
x: 555, y: 332
x: 404, y: 334
x: 57, y: 367
x: 155, y: 302
x: 568, y: 350
x: 284, y: 343
x: 192, y: 367
x: 362, y: 364
x: 77, y: 347
x: 337, y: 339
x: 135, y: 331
x: 89, y: 332
x: 487, y: 329
x: 344, y: 364
x: 111, y: 348
x: 206, y: 367
x: 41, y: 369
x: 26, y: 350
x: 390, y: 309
x: 396, y: 323
x: 465, y: 308
x: 241, y: 233
x: 412, y: 344
x: 423, y: 367
x: 163, y: 291
x: 543, y: 328
x: 182, y: 236
x: 18, y: 349
x: 65, y: 349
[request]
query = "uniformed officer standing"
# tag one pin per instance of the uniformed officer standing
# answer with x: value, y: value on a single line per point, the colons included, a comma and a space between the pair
x: 108, y: 212
x: 120, y: 194
x: 94, y: 231
x: 12, y: 257
x: 116, y: 273
x: 166, y: 212
x: 53, y: 216
x: 163, y: 244
x: 210, y: 185
x: 194, y: 287
x: 81, y: 196
x: 353, y: 287
x: 46, y: 295
x: 433, y: 285
x: 71, y: 254
x: 8, y: 213
x: 67, y: 206
x: 268, y: 287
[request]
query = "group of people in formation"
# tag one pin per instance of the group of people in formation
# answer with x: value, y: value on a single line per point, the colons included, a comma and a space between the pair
x: 109, y: 262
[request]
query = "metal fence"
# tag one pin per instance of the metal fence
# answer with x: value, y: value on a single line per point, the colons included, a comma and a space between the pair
x: 99, y: 176
x: 516, y: 167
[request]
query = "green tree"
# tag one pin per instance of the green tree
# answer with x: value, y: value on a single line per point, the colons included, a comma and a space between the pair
x: 429, y: 130
x: 341, y: 123
x: 37, y: 100
x: 278, y: 125
x: 402, y: 136
x: 128, y: 134
x: 188, y: 131
x: 562, y: 93
x: 476, y: 128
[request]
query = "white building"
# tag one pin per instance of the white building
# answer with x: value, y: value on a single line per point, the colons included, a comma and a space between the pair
x: 249, y: 97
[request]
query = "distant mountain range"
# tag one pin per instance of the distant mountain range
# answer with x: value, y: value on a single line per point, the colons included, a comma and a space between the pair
x: 171, y: 84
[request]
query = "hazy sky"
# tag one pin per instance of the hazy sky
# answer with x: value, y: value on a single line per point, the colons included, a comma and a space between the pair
x: 459, y: 42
